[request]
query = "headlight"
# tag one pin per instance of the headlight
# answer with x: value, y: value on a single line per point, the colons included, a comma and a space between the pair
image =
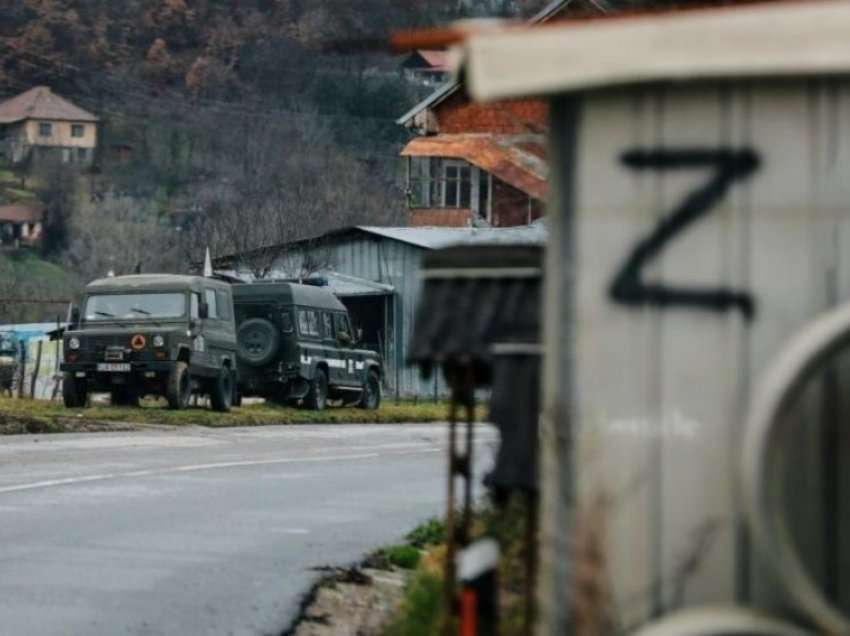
x: 73, y: 343
x: 158, y: 341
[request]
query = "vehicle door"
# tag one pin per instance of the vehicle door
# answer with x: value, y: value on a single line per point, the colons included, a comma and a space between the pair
x: 336, y: 363
x: 345, y: 338
x: 222, y: 332
x: 198, y: 328
x: 309, y: 337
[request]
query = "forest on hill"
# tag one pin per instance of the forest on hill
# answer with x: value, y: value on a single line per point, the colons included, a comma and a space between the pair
x: 231, y: 124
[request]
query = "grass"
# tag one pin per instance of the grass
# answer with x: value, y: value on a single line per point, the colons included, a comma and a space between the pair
x: 18, y: 194
x: 154, y: 412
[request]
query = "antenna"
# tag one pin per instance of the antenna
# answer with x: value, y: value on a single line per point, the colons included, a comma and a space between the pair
x: 208, y: 268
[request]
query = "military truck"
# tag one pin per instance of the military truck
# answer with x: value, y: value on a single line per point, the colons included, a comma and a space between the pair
x: 296, y: 345
x: 152, y: 334
x: 10, y: 355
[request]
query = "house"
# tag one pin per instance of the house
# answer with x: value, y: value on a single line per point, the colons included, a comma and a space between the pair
x: 375, y: 272
x: 429, y: 67
x: 696, y: 315
x: 40, y: 124
x: 20, y: 224
x: 479, y: 164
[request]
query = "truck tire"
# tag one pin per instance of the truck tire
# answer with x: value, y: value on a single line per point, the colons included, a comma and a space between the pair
x: 371, y: 396
x: 179, y: 388
x: 74, y: 392
x: 317, y: 397
x: 221, y: 392
x: 258, y: 341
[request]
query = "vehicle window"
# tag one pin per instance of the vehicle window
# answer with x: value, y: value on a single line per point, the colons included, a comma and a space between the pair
x: 286, y: 322
x: 195, y: 303
x: 327, y: 321
x: 342, y: 324
x: 135, y: 306
x: 223, y: 303
x: 209, y: 294
x: 308, y: 323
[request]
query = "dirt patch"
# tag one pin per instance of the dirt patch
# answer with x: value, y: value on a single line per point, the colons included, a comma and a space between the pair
x: 350, y: 602
x: 27, y: 425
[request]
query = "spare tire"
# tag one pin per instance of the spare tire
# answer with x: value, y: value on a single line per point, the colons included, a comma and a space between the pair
x: 258, y: 341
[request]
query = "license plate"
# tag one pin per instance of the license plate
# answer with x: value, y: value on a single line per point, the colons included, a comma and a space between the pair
x: 108, y: 367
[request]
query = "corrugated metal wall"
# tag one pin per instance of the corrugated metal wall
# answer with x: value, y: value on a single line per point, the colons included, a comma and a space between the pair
x: 395, y: 263
x: 660, y: 393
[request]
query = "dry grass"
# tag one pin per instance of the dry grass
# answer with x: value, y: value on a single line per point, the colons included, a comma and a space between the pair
x: 18, y: 416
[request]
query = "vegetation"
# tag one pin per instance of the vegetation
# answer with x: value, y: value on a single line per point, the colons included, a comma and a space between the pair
x: 26, y: 276
x: 55, y: 417
x: 430, y: 533
x: 423, y: 612
x: 403, y: 556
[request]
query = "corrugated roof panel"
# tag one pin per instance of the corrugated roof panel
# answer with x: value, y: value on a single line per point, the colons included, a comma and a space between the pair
x: 437, y: 237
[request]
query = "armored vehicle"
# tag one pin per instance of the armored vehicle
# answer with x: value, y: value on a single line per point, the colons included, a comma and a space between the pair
x: 296, y: 345
x: 152, y: 334
x: 10, y: 355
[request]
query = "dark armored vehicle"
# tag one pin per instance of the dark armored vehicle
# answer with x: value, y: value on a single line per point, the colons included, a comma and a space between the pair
x: 152, y: 334
x: 296, y: 343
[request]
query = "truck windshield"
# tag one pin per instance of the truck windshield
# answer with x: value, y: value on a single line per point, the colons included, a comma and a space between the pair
x: 106, y: 307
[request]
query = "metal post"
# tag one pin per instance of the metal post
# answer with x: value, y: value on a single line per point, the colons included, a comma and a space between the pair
x: 35, y: 371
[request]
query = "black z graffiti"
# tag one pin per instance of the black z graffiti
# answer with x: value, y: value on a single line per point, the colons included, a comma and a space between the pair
x: 730, y: 166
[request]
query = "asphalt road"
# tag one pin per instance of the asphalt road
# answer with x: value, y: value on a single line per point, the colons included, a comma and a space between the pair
x: 199, y: 531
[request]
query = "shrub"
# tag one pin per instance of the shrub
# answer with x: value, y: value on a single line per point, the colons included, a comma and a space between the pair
x: 432, y: 532
x: 402, y: 556
x: 421, y: 612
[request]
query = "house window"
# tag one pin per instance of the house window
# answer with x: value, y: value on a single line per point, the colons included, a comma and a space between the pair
x: 77, y: 130
x: 457, y: 184
x: 434, y: 182
x: 45, y: 129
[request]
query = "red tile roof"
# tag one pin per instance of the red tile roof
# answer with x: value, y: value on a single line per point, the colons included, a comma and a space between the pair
x: 21, y: 213
x: 437, y: 60
x: 516, y: 160
x: 41, y: 103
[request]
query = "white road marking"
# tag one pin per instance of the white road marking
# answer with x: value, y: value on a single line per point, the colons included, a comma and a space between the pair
x: 183, y: 469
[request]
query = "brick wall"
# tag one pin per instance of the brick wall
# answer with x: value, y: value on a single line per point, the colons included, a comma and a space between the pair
x: 512, y: 207
x: 423, y: 217
x: 457, y: 115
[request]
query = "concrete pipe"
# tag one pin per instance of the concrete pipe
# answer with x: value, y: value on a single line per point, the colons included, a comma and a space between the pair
x: 797, y: 362
x: 719, y: 621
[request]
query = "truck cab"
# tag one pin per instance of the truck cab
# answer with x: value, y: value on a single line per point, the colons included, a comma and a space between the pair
x: 153, y: 334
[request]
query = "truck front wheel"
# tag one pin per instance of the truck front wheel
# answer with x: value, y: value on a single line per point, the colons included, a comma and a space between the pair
x: 179, y: 389
x: 221, y: 393
x: 74, y: 392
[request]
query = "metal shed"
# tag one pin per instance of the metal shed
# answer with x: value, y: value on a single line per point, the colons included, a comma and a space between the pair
x: 375, y: 272
x: 700, y: 219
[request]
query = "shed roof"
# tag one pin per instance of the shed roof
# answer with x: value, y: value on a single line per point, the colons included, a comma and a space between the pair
x: 41, y: 103
x: 437, y: 237
x: 781, y: 39
x: 346, y: 286
x: 21, y: 213
x: 516, y: 160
